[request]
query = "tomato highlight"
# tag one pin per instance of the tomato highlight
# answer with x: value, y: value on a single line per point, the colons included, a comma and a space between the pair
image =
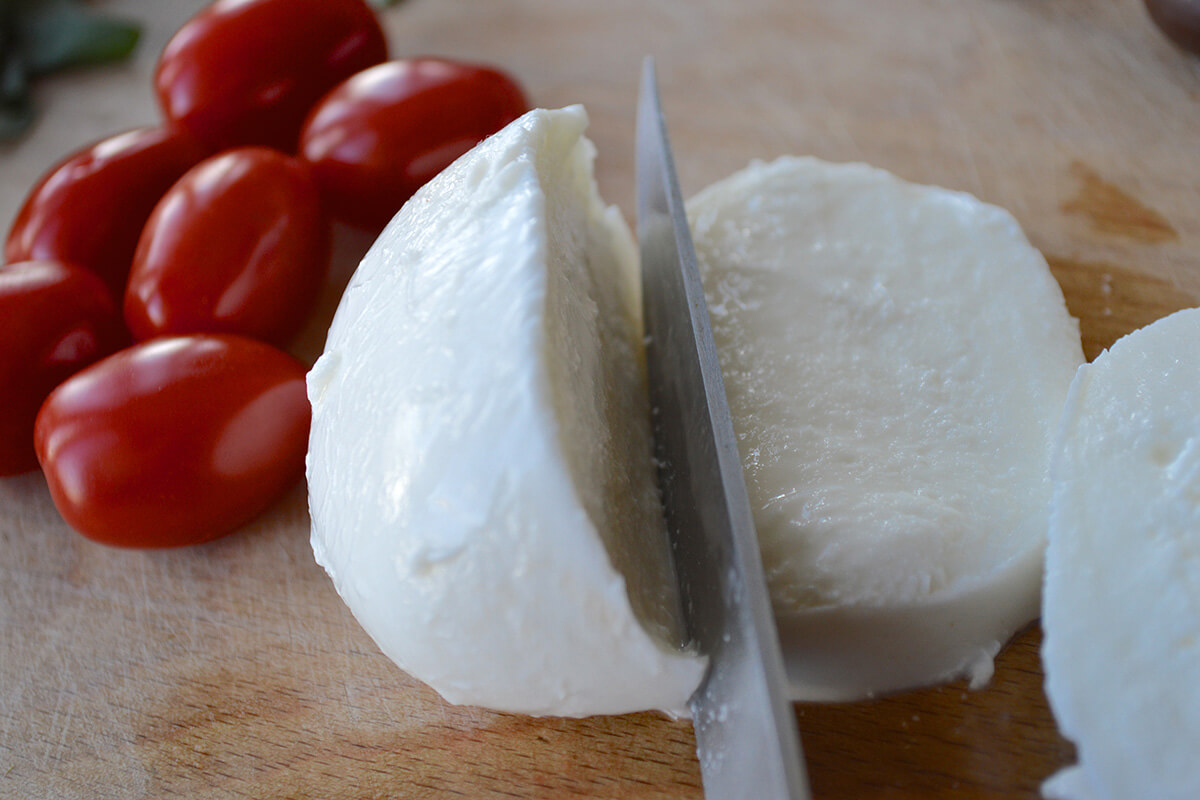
x: 55, y: 319
x: 383, y: 133
x: 239, y: 245
x: 246, y: 72
x: 90, y: 208
x: 174, y: 441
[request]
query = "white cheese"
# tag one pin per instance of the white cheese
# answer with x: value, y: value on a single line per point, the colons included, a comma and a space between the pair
x: 480, y: 465
x: 896, y: 357
x: 1122, y: 594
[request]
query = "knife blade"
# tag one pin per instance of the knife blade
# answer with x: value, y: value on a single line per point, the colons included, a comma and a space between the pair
x: 746, y: 735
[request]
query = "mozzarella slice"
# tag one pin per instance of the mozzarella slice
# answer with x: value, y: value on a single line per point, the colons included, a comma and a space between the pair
x: 1122, y: 595
x: 480, y: 467
x: 895, y: 357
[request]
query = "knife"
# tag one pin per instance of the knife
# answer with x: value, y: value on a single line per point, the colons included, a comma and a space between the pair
x: 746, y: 733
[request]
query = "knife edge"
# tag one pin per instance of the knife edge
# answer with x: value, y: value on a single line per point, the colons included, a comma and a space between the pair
x: 747, y: 740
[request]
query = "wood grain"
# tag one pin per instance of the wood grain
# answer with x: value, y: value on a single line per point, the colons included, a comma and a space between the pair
x: 232, y: 670
x: 945, y: 742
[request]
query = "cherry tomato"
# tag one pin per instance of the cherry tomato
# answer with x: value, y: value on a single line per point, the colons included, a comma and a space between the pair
x: 55, y: 319
x: 89, y: 210
x: 1179, y: 20
x: 239, y: 245
x: 380, y: 135
x: 174, y: 441
x: 247, y: 71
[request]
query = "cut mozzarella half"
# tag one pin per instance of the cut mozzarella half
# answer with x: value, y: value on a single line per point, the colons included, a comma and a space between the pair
x: 1122, y: 595
x: 480, y: 467
x: 896, y: 357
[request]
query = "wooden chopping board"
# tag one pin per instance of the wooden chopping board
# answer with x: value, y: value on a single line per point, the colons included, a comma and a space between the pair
x: 232, y: 670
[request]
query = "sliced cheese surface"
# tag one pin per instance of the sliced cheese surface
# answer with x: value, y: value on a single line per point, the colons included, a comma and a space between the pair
x: 1122, y: 595
x: 480, y: 466
x: 896, y: 357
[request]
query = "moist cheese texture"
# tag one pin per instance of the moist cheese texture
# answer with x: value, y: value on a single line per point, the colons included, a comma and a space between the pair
x: 1122, y: 596
x: 896, y: 358
x: 480, y: 466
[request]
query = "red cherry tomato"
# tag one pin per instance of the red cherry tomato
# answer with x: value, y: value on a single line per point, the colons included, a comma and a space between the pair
x: 174, y: 441
x: 55, y: 319
x: 239, y: 245
x: 1179, y: 20
x: 247, y: 71
x: 89, y: 210
x: 380, y: 135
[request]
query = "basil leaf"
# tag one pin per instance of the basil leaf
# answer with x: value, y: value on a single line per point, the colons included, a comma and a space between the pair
x: 41, y: 36
x: 16, y: 105
x: 57, y: 34
x: 15, y: 116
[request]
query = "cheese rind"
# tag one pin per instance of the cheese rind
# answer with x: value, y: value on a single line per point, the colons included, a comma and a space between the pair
x: 1122, y: 594
x: 896, y: 357
x: 480, y: 465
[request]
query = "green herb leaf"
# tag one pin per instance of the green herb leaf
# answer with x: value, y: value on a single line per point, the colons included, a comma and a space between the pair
x: 58, y: 34
x: 16, y: 114
x: 41, y: 36
x: 16, y: 106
